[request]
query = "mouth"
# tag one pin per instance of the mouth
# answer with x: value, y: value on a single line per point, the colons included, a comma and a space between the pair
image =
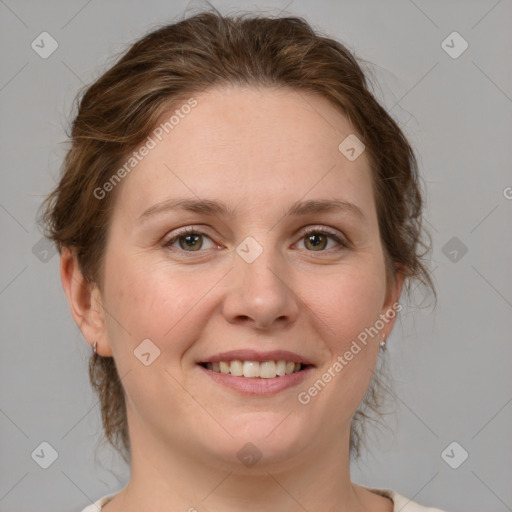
x: 270, y: 369
x: 252, y: 372
x: 256, y: 378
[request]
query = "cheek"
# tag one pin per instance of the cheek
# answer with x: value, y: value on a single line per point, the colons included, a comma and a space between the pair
x: 347, y: 303
x: 350, y: 305
x: 148, y: 300
x: 344, y: 305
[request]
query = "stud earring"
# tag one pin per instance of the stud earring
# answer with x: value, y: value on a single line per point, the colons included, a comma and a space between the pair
x: 383, y: 342
x: 95, y: 344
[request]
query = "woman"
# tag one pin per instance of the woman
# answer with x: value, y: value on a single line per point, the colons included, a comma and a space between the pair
x: 237, y: 218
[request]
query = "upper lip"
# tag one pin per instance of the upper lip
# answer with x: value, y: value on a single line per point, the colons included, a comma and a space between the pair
x: 256, y: 355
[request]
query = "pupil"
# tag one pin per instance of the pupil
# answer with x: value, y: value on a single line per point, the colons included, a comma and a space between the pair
x: 192, y: 239
x: 318, y: 240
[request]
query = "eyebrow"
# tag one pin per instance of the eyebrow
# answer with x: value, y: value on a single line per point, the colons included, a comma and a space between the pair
x: 220, y: 208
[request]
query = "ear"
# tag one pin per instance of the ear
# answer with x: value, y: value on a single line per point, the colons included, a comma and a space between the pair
x: 391, y: 305
x: 85, y: 302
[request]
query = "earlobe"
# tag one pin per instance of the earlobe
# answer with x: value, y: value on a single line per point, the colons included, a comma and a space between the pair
x: 399, y: 282
x: 395, y: 289
x: 85, y: 302
x: 391, y: 305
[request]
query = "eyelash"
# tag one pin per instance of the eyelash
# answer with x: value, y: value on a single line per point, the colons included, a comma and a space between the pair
x: 192, y: 231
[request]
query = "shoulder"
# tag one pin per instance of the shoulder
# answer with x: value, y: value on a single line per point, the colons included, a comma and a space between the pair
x: 401, y: 503
x: 96, y: 506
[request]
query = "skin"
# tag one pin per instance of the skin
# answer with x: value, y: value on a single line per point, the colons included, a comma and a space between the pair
x: 258, y: 150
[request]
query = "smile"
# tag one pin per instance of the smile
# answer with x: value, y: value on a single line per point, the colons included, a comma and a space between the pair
x: 255, y: 369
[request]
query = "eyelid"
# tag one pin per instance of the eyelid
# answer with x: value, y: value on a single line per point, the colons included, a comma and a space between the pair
x: 336, y: 235
x: 188, y: 230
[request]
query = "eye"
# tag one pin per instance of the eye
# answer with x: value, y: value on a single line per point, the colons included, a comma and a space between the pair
x: 318, y: 239
x: 189, y: 240
x: 315, y: 240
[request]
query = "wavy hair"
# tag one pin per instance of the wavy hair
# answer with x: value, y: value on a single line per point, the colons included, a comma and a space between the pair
x: 120, y: 109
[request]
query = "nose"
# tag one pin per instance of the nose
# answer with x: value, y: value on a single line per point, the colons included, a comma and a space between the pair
x: 260, y: 294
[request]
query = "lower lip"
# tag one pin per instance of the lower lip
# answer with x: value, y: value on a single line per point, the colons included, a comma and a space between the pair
x: 257, y: 385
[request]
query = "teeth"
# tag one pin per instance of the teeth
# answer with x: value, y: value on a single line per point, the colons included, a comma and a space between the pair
x: 251, y: 369
x: 236, y: 368
x: 255, y: 369
x: 281, y: 368
x: 268, y: 370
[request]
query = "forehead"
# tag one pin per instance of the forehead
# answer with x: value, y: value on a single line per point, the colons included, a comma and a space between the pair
x: 258, y: 144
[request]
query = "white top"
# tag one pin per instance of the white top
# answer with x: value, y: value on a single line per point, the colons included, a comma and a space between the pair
x: 400, y: 503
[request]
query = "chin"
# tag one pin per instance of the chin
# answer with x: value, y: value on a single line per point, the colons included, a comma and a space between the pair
x: 262, y: 438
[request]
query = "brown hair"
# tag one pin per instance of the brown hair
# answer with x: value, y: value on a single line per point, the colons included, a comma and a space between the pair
x: 118, y: 112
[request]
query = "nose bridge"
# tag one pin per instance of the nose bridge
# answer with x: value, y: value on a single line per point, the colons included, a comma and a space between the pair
x: 259, y: 291
x: 257, y: 263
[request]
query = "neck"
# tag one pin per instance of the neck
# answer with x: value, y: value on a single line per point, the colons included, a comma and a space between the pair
x: 173, y: 478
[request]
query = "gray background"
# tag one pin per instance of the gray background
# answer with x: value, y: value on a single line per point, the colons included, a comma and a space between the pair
x: 451, y: 366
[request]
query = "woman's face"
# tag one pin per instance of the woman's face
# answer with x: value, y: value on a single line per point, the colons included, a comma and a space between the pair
x: 247, y: 278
